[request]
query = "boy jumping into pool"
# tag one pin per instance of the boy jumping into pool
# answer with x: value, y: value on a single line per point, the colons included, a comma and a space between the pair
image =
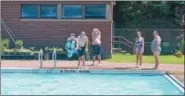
x: 82, y: 47
x: 96, y: 45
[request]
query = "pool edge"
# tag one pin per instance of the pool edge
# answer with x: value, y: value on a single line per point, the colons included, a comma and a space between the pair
x: 175, y: 82
x: 51, y: 70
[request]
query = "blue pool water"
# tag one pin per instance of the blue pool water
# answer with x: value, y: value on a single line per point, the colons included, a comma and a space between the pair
x: 83, y: 84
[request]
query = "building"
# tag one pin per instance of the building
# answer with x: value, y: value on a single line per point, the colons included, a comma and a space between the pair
x: 48, y: 23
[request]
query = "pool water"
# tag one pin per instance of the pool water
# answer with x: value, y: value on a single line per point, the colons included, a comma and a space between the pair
x: 86, y: 84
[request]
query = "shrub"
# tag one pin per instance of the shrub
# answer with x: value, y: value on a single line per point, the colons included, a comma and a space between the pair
x: 18, y: 44
x: 4, y: 44
x: 60, y: 50
x: 8, y: 52
x: 32, y: 48
x: 182, y: 45
x: 25, y: 51
x: 48, y: 49
x: 179, y: 54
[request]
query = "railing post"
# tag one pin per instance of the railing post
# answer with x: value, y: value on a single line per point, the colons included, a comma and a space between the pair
x: 54, y: 57
x: 119, y: 42
x: 40, y: 57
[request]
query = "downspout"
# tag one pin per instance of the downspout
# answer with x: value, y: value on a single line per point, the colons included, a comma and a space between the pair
x: 111, y: 14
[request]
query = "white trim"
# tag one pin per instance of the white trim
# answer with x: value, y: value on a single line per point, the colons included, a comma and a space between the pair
x: 107, y: 16
x: 176, y: 80
x: 62, y: 20
x: 174, y: 83
x: 59, y: 11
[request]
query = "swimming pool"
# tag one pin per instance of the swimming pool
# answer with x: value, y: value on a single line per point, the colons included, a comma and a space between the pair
x: 87, y: 82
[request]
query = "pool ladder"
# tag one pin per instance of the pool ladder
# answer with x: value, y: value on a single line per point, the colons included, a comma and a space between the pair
x: 54, y: 57
x: 40, y: 58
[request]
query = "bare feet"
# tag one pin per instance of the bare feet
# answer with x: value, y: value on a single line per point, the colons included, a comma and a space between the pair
x: 80, y: 67
x: 92, y: 65
x: 85, y: 67
x: 137, y: 66
x: 156, y: 66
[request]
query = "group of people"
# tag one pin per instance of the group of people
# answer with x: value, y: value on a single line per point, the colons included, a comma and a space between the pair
x: 79, y: 46
x: 155, y: 47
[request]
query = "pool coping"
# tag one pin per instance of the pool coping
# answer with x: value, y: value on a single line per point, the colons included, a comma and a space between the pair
x: 52, y: 70
x: 166, y: 74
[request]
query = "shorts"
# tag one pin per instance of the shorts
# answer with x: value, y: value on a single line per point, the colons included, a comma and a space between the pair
x: 96, y: 50
x: 81, y: 51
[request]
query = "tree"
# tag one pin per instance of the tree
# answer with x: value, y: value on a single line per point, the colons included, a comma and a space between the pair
x: 149, y: 14
x: 180, y: 13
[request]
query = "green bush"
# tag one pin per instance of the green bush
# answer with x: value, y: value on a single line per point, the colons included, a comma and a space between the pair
x: 50, y: 50
x: 59, y: 50
x: 18, y: 44
x: 8, y: 52
x: 18, y: 52
x: 4, y: 44
x: 32, y: 48
x: 25, y: 51
x: 179, y: 54
x: 181, y: 45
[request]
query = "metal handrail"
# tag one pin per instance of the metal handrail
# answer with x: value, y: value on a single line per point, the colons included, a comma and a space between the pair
x: 54, y: 57
x: 121, y: 42
x: 120, y: 37
x: 8, y: 30
x: 40, y: 57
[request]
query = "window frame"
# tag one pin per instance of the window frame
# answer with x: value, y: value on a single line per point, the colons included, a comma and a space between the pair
x: 85, y: 17
x: 60, y: 15
x: 82, y: 6
x: 37, y: 6
x: 48, y: 17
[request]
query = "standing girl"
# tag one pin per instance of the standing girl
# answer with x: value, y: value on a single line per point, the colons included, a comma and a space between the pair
x: 139, y: 48
x: 156, y: 48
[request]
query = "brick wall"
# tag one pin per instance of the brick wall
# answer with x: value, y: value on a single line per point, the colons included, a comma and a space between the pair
x: 51, y: 33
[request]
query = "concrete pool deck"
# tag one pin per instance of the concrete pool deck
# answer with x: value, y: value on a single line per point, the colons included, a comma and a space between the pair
x: 175, y: 69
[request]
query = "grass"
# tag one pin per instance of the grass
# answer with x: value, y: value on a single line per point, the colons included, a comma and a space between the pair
x: 164, y: 59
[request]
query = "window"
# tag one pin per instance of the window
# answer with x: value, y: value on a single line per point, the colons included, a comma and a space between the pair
x: 95, y: 11
x: 48, y: 11
x: 72, y: 11
x: 29, y: 11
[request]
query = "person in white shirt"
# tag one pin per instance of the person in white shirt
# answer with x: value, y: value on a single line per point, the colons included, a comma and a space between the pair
x: 82, y: 47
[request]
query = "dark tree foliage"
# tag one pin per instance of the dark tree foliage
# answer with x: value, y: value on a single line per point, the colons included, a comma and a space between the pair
x: 149, y: 14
